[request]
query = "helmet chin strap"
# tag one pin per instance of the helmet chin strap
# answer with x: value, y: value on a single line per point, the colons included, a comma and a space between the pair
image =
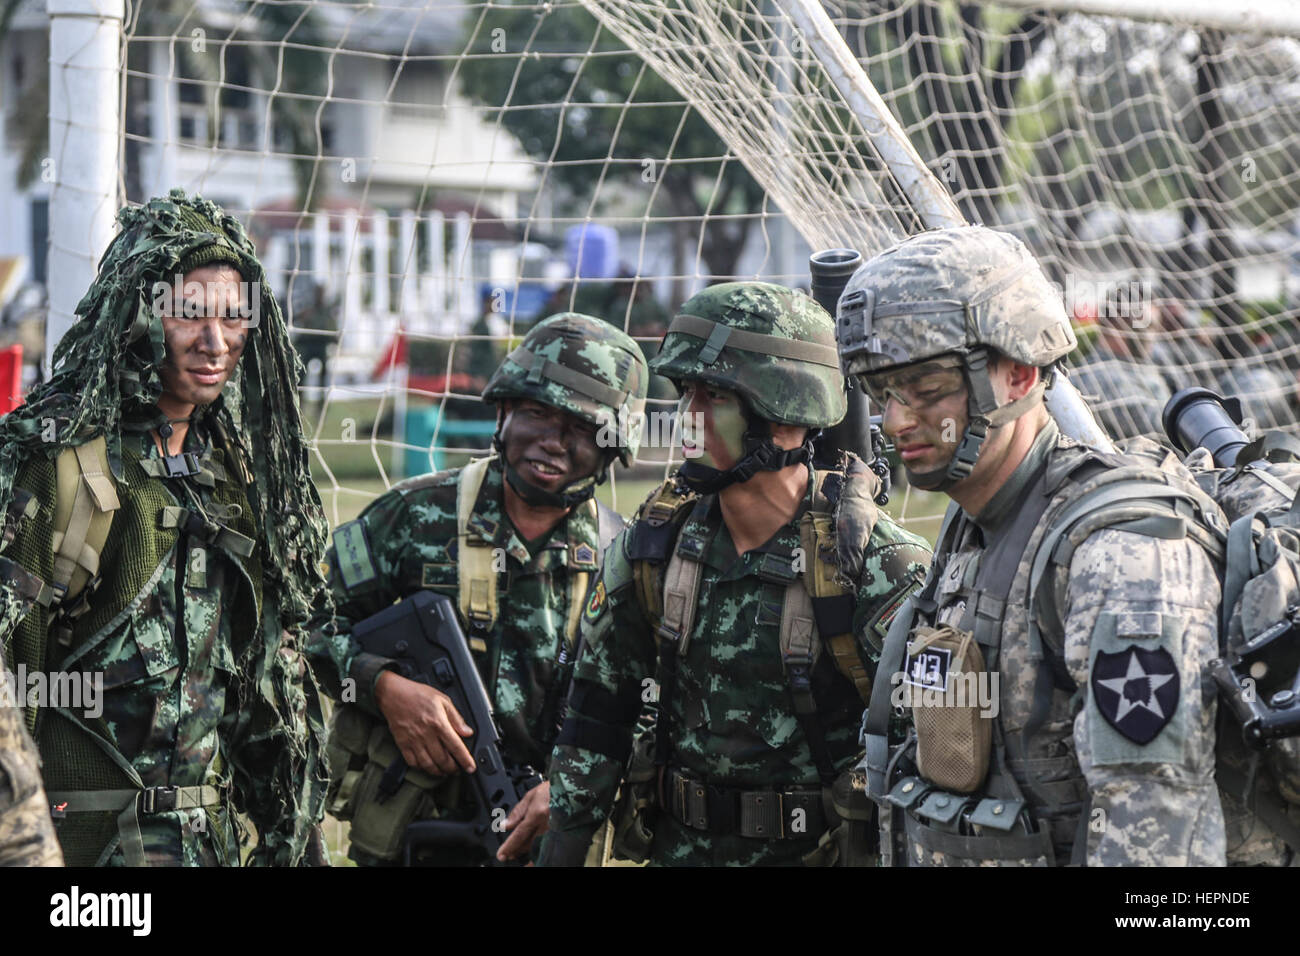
x: 761, y: 454
x: 983, y: 413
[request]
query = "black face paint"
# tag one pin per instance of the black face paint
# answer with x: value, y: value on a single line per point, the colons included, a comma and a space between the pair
x: 551, y: 457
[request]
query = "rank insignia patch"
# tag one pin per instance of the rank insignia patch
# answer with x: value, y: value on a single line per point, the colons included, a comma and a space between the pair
x: 584, y: 556
x: 1136, y: 690
x: 596, y: 603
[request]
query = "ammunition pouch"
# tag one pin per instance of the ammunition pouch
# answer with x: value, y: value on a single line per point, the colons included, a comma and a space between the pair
x: 372, y: 787
x: 941, y: 828
x: 953, y: 742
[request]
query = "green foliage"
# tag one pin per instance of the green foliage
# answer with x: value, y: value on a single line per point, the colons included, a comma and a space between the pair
x: 574, y: 95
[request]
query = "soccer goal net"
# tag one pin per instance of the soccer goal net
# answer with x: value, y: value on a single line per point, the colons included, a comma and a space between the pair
x: 426, y: 179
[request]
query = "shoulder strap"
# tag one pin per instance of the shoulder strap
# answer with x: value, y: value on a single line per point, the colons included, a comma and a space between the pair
x: 477, y: 591
x: 653, y: 541
x: 83, y: 513
x: 830, y: 603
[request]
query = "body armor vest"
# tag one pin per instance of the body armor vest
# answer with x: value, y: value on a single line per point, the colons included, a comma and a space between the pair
x: 1031, y: 808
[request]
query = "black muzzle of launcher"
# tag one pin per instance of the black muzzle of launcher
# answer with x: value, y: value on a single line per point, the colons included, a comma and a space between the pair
x: 1200, y: 418
x: 859, y: 432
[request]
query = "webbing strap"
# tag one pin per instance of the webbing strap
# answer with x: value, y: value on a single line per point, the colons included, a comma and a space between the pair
x: 735, y: 338
x: 1273, y: 481
x: 208, y: 531
x: 131, y: 803
x: 799, y: 653
x: 681, y: 587
x: 477, y: 581
x: 1242, y: 565
x: 542, y: 368
x: 875, y: 722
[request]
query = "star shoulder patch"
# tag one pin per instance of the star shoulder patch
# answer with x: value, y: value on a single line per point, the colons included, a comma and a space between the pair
x: 1136, y: 690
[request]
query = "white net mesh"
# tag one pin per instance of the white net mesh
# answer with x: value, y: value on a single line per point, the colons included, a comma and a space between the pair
x: 426, y: 179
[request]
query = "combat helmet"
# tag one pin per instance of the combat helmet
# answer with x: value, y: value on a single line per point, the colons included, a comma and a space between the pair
x: 588, y: 368
x: 968, y: 291
x: 772, y: 346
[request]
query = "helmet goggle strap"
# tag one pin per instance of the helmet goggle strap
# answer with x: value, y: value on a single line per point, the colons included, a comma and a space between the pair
x: 984, y: 413
x: 571, y: 495
x: 760, y: 454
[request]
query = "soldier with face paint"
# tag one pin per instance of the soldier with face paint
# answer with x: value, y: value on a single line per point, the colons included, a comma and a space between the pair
x: 514, y: 540
x: 1052, y: 663
x: 162, y: 540
x: 749, y: 598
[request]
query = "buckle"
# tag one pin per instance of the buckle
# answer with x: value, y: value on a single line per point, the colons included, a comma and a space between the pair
x: 157, y: 799
x: 182, y: 465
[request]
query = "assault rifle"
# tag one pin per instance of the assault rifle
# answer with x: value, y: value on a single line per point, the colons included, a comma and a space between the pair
x: 424, y: 637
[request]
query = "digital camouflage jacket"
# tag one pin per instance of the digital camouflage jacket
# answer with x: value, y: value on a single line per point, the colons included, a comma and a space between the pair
x: 404, y: 542
x: 205, y: 582
x: 26, y: 834
x: 1111, y: 719
x: 731, y: 713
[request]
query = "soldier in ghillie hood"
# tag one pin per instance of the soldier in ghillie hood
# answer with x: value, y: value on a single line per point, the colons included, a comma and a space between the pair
x: 514, y: 540
x: 749, y: 597
x: 162, y: 541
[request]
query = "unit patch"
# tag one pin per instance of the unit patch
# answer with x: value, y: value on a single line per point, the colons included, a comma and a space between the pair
x: 1136, y: 690
x: 352, y: 551
x: 596, y: 603
x: 929, y: 669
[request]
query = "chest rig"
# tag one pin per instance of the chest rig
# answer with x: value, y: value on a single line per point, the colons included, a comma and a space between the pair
x: 96, y: 820
x: 816, y: 610
x: 1031, y: 807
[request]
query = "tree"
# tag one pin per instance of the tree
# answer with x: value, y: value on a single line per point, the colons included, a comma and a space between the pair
x: 587, y: 123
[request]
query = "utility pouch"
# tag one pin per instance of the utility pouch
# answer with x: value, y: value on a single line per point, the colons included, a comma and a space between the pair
x: 347, y: 751
x: 856, y: 838
x: 953, y: 741
x: 637, y: 807
x: 934, y: 846
x: 388, y: 799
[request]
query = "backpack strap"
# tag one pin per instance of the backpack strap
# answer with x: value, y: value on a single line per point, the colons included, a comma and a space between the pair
x: 476, y: 578
x: 832, y: 603
x: 86, y: 498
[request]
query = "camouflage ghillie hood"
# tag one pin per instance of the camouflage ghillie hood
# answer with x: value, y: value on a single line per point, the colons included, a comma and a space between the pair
x: 106, y: 381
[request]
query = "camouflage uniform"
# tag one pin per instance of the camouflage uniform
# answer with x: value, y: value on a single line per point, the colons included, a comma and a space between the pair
x: 1101, y: 730
x: 26, y: 834
x: 204, y: 579
x: 406, y: 541
x: 731, y: 718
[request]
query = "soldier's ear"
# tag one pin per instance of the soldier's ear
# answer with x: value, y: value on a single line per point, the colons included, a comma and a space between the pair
x: 1020, y: 378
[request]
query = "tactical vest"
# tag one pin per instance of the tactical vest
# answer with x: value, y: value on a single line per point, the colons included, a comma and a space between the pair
x: 1031, y: 807
x: 816, y: 611
x: 94, y: 820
